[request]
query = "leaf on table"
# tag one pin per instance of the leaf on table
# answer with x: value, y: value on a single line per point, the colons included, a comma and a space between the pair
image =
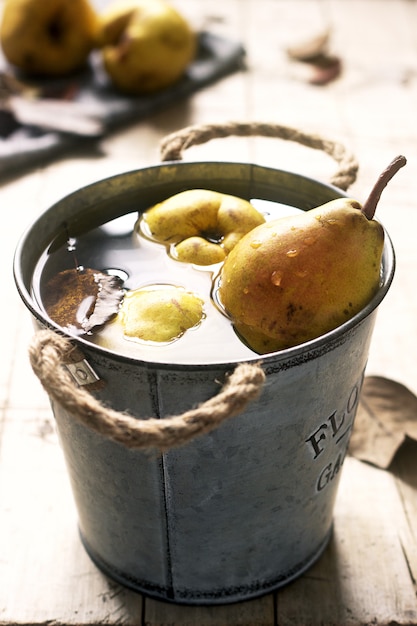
x: 386, y: 416
x: 82, y: 300
x: 324, y: 69
x: 309, y: 48
x: 317, y: 65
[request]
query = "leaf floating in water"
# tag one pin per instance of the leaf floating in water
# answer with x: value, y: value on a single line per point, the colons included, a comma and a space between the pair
x: 82, y: 300
x: 69, y: 297
x: 109, y: 296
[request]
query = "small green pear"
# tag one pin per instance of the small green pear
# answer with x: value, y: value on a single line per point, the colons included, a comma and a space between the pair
x: 296, y: 278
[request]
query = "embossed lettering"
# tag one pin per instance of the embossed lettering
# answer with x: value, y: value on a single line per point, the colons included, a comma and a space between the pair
x: 324, y: 477
x: 330, y: 471
x: 315, y: 440
x: 336, y: 427
x: 354, y: 397
x: 334, y: 432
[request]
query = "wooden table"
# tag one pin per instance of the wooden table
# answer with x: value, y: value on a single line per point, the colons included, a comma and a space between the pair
x: 367, y: 574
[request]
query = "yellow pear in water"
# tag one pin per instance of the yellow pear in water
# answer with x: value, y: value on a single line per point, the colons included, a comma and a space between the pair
x: 293, y: 279
x: 159, y: 313
x: 48, y: 37
x: 201, y: 225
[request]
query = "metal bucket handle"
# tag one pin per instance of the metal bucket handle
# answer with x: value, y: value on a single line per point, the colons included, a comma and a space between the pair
x: 49, y: 351
x: 173, y: 145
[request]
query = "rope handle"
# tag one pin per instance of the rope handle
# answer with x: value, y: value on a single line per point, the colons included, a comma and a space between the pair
x: 48, y: 351
x: 173, y: 145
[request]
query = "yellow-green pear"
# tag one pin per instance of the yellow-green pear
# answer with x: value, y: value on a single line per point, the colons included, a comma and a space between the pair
x: 159, y: 313
x: 48, y: 37
x: 199, y: 251
x: 296, y: 278
x: 146, y: 45
x: 191, y: 217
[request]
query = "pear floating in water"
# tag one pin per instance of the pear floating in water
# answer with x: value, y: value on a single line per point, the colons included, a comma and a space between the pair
x: 296, y: 278
x: 201, y: 226
x: 159, y: 313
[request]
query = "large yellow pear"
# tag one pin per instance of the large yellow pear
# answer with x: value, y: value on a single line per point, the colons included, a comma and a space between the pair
x: 146, y: 45
x: 293, y: 279
x: 201, y: 224
x: 48, y: 37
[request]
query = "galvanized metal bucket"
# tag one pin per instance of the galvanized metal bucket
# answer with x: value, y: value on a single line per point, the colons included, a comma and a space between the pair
x: 247, y: 507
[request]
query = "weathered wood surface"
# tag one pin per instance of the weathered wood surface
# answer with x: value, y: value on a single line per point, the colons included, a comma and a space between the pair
x: 367, y: 574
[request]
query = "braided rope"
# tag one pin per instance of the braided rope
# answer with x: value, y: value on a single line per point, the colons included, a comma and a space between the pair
x: 173, y: 145
x: 48, y: 351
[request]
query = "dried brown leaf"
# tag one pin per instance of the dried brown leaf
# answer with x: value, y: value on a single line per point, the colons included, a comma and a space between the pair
x: 324, y: 69
x: 107, y: 303
x: 387, y: 415
x: 309, y: 48
x: 82, y: 300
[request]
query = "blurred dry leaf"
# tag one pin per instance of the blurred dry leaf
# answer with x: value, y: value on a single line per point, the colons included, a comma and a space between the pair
x: 82, y: 299
x: 324, y: 69
x: 318, y: 66
x: 310, y: 48
x: 387, y: 415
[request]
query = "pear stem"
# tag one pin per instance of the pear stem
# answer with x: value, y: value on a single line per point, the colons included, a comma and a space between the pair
x: 371, y: 203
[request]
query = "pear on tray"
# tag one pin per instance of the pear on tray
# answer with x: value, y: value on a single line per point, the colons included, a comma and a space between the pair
x: 146, y: 45
x: 48, y: 38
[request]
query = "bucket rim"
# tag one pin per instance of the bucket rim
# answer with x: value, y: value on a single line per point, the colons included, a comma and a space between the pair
x: 314, y: 346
